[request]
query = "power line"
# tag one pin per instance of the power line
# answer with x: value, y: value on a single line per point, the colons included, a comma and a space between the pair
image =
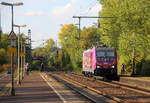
x: 90, y: 8
x: 81, y: 6
x: 86, y: 7
x: 79, y: 17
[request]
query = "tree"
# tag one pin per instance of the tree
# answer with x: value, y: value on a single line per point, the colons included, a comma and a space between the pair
x: 4, y: 45
x: 69, y: 42
x: 130, y: 28
x: 89, y: 37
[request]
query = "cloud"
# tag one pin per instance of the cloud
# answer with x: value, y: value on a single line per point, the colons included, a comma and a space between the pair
x: 41, y: 1
x: 52, y: 0
x: 66, y: 10
x: 35, y: 13
x: 70, y: 9
x: 96, y: 9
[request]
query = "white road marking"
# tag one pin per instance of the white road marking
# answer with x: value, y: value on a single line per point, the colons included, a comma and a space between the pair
x: 64, y: 101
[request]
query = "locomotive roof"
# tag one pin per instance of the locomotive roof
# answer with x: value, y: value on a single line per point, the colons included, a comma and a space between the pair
x: 104, y: 48
x: 89, y: 50
x: 99, y: 48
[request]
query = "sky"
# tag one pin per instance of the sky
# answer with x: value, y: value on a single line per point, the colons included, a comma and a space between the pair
x: 45, y: 17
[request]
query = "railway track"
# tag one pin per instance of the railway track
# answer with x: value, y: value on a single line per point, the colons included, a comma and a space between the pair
x: 139, y: 89
x: 90, y: 93
x: 64, y: 84
x: 119, y: 92
x: 136, y: 82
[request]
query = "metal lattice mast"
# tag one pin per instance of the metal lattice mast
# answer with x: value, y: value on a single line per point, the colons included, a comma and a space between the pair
x: 30, y: 47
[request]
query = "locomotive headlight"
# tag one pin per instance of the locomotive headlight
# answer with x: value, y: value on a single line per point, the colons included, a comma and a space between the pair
x: 98, y: 67
x: 113, y: 66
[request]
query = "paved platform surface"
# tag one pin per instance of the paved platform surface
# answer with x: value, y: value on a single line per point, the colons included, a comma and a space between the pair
x: 32, y: 90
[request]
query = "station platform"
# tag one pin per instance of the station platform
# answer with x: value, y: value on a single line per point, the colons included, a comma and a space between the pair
x: 33, y: 89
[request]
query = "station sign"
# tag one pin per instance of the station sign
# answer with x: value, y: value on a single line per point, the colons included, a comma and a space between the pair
x: 12, y: 50
x: 22, y: 54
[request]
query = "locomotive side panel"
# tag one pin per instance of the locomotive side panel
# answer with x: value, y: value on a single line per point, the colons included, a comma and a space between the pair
x: 87, y: 61
x: 94, y: 59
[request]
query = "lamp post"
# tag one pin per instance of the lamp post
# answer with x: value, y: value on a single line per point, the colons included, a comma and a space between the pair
x: 19, y: 26
x: 12, y: 42
x: 30, y: 48
x: 25, y: 69
x: 23, y: 51
x: 12, y: 9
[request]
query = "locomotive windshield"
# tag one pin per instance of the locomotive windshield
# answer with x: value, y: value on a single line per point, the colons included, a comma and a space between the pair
x: 105, y: 53
x: 110, y: 53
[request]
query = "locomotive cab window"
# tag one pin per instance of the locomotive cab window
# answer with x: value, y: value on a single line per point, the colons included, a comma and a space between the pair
x: 110, y: 53
x: 100, y: 53
x: 107, y: 53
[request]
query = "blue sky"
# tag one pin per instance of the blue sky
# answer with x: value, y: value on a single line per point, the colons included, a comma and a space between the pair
x: 44, y: 17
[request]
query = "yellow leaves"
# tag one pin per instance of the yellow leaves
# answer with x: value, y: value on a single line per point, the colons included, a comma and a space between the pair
x: 106, y: 40
x: 50, y: 43
x: 66, y: 31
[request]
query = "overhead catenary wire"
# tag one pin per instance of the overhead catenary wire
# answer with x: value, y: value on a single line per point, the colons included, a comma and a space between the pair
x: 90, y: 7
x: 86, y: 13
x: 79, y: 10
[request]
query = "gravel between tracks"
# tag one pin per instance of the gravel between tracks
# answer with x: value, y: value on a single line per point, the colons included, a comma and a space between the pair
x: 136, y: 82
x: 122, y: 93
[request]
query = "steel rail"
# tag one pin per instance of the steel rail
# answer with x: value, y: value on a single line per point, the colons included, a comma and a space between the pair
x: 72, y: 88
x: 89, y: 88
x: 144, y: 91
